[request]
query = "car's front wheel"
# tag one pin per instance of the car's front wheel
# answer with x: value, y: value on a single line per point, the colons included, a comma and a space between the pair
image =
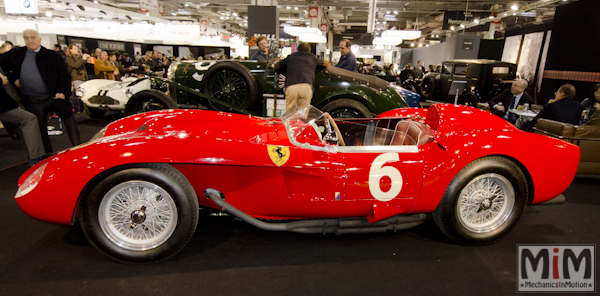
x: 140, y: 214
x: 347, y: 108
x: 93, y: 112
x: 149, y: 100
x: 483, y: 202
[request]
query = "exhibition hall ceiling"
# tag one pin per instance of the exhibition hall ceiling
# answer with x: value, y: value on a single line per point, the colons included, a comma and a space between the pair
x: 342, y: 17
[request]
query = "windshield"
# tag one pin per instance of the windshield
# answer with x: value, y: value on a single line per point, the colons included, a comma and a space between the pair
x: 309, y: 127
x: 306, y: 125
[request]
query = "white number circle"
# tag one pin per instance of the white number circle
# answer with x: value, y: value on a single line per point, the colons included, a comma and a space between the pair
x: 377, y: 172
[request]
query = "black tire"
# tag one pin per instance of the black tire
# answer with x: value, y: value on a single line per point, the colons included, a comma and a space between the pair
x: 232, y: 83
x: 172, y: 214
x: 409, y: 86
x: 93, y: 112
x: 347, y: 108
x: 469, y: 99
x: 503, y: 177
x: 428, y: 87
x: 149, y: 100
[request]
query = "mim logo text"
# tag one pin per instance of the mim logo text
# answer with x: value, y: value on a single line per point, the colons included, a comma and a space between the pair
x: 556, y: 268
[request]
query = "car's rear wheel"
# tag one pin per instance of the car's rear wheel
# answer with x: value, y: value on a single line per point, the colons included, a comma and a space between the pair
x: 140, y: 214
x: 149, y: 100
x: 232, y: 83
x: 483, y: 202
x: 428, y: 87
x: 93, y: 112
x: 347, y: 108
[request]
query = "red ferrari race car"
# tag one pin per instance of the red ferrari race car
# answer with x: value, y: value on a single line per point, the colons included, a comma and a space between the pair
x: 137, y: 186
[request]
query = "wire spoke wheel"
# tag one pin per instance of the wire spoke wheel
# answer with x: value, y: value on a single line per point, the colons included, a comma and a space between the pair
x: 485, y: 203
x: 149, y: 105
x: 228, y: 86
x: 137, y: 215
x: 345, y: 113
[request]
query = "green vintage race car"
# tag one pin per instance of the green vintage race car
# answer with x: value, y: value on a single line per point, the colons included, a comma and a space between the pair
x: 247, y: 86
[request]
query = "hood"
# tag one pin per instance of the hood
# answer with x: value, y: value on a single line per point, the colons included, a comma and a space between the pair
x: 198, y: 123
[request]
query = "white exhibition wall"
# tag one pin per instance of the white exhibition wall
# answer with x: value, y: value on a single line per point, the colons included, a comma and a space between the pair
x: 161, y: 33
x: 455, y: 47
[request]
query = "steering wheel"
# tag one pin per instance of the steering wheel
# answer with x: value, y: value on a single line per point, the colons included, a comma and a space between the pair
x: 335, y: 128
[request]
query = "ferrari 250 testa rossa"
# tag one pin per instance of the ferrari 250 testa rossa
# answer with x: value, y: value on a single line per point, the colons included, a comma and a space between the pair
x: 137, y: 186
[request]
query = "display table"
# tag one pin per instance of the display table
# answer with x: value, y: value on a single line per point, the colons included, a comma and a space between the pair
x: 524, y: 117
x: 528, y: 114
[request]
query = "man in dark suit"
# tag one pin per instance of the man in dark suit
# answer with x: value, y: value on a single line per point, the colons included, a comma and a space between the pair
x: 562, y: 108
x: 44, y: 83
x: 510, y: 99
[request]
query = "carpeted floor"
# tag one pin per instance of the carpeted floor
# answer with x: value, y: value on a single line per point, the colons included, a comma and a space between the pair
x: 230, y: 257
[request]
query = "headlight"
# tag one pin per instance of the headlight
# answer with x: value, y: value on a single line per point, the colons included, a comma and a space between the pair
x: 130, y: 92
x: 171, y: 71
x: 31, y: 182
x: 79, y: 92
x: 99, y: 134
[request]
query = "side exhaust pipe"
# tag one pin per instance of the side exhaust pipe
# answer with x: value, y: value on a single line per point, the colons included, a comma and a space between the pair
x: 337, y: 226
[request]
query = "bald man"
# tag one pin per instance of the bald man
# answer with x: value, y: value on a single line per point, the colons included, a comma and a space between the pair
x: 510, y: 99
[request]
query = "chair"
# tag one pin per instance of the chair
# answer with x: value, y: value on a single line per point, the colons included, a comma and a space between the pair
x: 586, y: 136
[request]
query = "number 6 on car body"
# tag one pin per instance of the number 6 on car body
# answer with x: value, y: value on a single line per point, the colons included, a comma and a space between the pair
x: 377, y: 172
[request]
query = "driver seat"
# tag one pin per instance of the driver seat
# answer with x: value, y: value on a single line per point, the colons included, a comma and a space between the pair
x: 411, y: 132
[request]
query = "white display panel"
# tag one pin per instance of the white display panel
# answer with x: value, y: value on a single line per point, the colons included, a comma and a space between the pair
x: 511, y: 49
x: 530, y: 53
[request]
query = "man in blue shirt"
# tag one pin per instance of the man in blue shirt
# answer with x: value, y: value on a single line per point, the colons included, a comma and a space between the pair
x: 348, y: 60
x: 262, y: 55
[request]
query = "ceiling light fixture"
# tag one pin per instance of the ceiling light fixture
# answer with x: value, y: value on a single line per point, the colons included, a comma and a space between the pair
x: 452, y: 28
x: 72, y: 18
x: 514, y: 7
x: 476, y: 21
x: 48, y: 13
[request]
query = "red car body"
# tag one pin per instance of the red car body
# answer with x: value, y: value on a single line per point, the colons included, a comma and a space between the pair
x: 230, y: 153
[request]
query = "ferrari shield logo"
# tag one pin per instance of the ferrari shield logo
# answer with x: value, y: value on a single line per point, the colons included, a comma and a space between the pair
x: 278, y: 154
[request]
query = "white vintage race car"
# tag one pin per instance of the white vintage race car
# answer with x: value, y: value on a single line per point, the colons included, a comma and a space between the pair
x: 131, y: 95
